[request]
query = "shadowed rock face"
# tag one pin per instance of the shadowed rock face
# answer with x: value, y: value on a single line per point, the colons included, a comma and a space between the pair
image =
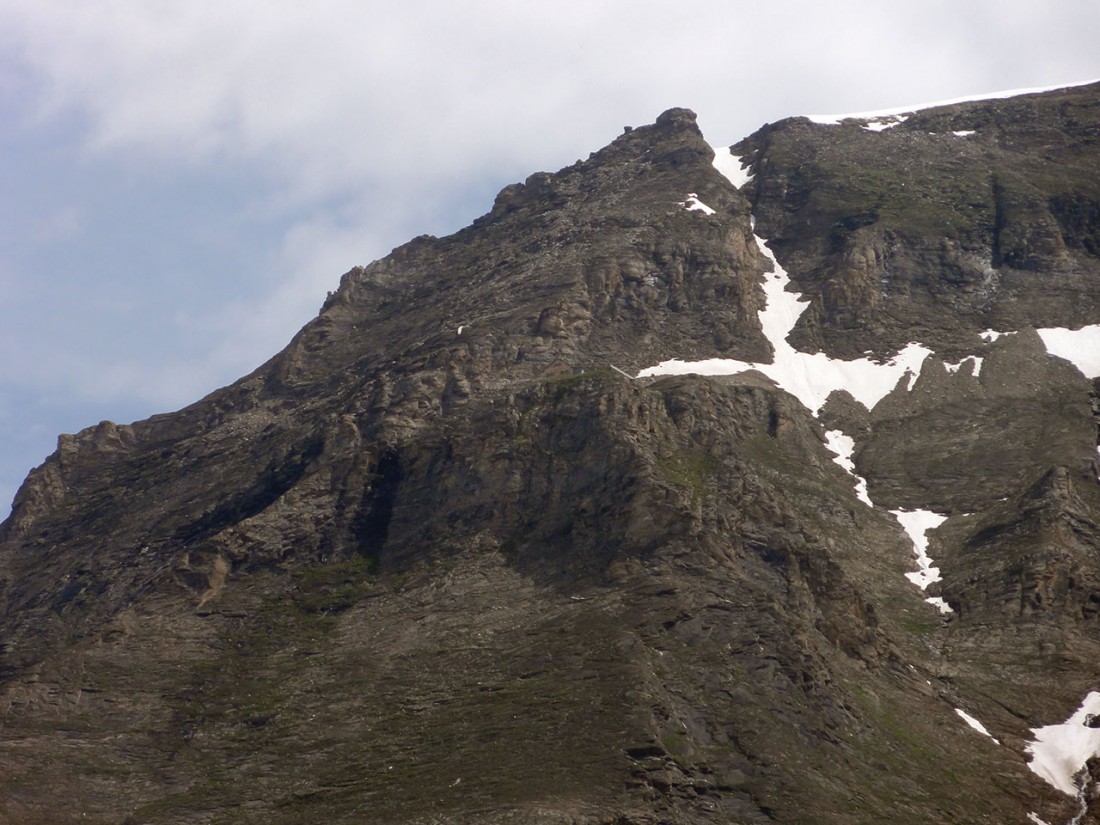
x: 438, y: 562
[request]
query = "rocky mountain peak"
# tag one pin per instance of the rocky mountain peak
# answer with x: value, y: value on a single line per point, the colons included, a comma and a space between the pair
x: 470, y: 550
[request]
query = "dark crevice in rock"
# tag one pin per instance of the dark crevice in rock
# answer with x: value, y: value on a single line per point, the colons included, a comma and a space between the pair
x: 999, y: 222
x: 372, y: 526
x: 1078, y: 217
x: 269, y: 486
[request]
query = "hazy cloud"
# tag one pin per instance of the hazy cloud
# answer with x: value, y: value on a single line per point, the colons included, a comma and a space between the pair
x: 342, y: 94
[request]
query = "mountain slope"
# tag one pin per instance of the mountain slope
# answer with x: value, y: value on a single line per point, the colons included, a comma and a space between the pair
x: 441, y: 560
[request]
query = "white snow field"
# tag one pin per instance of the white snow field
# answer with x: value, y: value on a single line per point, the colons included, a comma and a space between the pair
x: 1059, y: 752
x: 844, y: 445
x: 729, y: 165
x: 916, y: 524
x: 1081, y: 347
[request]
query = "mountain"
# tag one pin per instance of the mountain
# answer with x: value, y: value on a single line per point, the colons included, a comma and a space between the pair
x: 608, y: 509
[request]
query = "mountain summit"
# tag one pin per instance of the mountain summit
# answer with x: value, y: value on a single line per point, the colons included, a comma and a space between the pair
x: 684, y: 486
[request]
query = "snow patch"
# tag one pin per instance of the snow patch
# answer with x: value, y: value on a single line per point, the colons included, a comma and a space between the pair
x: 810, y: 377
x: 843, y: 445
x: 882, y: 124
x: 963, y: 133
x: 1059, y: 752
x: 1034, y: 817
x: 693, y: 204
x: 1081, y: 347
x: 939, y: 604
x: 916, y: 524
x: 974, y: 723
x: 991, y: 335
x: 729, y: 166
x: 975, y: 359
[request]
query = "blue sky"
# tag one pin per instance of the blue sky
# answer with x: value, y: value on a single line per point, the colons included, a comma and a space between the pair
x: 182, y: 182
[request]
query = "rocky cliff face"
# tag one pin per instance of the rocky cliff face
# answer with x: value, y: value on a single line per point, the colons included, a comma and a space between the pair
x: 441, y: 560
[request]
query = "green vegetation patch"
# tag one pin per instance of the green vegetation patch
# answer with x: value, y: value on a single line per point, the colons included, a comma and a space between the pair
x: 691, y: 470
x: 327, y: 589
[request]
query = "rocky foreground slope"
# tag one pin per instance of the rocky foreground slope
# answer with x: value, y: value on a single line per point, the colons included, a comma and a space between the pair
x: 442, y: 561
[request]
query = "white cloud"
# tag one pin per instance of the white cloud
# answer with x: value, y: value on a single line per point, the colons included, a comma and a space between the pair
x: 337, y: 95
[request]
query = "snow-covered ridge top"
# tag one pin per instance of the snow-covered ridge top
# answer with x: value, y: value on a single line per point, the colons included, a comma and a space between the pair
x: 902, y: 110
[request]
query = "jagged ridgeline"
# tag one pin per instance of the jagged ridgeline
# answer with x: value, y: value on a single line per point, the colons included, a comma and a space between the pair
x: 685, y: 486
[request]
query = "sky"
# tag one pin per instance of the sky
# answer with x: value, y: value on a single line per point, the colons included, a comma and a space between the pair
x: 181, y: 183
